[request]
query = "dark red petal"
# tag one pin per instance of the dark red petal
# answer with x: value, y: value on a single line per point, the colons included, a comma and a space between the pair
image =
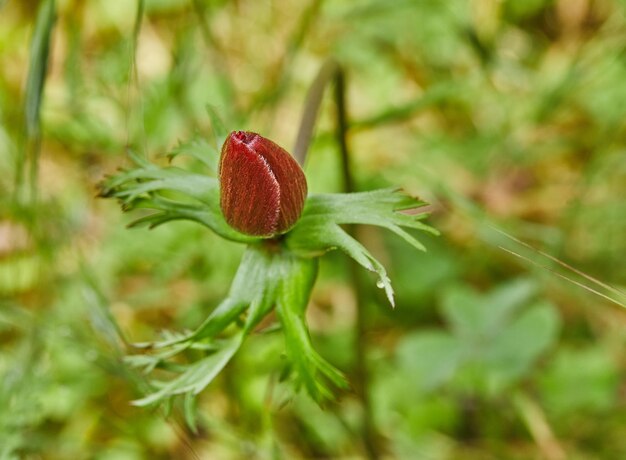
x: 291, y: 180
x: 262, y: 187
x: 250, y: 195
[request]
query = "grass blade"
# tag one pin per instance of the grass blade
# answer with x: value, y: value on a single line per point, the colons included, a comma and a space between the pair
x: 37, y: 70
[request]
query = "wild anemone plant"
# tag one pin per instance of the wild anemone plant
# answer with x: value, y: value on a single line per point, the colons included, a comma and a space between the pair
x: 257, y: 195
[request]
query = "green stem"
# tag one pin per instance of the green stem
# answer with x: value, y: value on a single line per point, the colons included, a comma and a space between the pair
x: 327, y: 73
x: 535, y: 420
x: 133, y: 81
x: 35, y: 85
x: 332, y: 71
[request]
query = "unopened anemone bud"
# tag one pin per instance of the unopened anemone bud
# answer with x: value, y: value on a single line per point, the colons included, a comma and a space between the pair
x: 262, y: 187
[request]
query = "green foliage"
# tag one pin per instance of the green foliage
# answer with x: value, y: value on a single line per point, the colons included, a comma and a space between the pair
x: 495, y: 340
x: 318, y: 230
x: 264, y: 279
x: 269, y: 275
x: 147, y: 187
x: 502, y: 114
x: 580, y: 380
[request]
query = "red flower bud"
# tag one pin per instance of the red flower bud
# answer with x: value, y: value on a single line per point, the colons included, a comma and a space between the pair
x: 262, y: 187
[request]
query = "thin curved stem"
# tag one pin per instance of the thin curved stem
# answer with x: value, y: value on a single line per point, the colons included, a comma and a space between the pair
x: 331, y: 71
x: 327, y: 73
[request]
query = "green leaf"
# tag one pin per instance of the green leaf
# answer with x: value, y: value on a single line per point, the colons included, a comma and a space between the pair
x: 197, y: 376
x: 128, y: 186
x: 318, y: 230
x: 378, y: 207
x: 174, y: 193
x: 190, y: 409
x: 201, y: 150
x: 464, y: 311
x: 500, y: 342
x: 251, y: 288
x: 479, y: 316
x: 505, y: 301
x: 431, y: 358
x: 521, y: 342
x: 250, y: 284
x: 582, y: 379
x: 322, y: 236
x: 265, y: 278
x: 312, y: 371
x: 219, y: 130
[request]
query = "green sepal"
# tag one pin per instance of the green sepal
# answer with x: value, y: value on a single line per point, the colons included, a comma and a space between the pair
x: 197, y: 376
x: 311, y: 370
x: 249, y: 285
x: 173, y: 194
x: 267, y: 277
x: 319, y: 229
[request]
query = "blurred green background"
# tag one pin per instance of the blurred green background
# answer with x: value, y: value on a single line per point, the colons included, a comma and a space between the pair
x: 503, y: 114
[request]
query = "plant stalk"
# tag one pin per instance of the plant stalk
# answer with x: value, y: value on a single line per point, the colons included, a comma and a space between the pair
x: 35, y: 85
x: 535, y: 420
x: 331, y: 71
